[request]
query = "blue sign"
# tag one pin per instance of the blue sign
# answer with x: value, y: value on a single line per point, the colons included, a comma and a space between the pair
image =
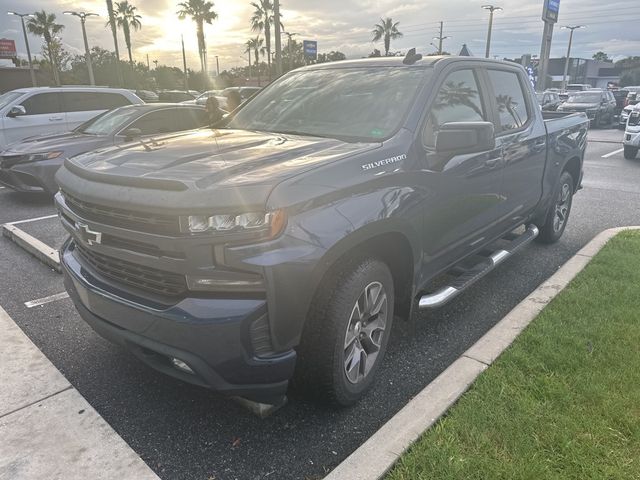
x: 310, y: 48
x: 551, y: 11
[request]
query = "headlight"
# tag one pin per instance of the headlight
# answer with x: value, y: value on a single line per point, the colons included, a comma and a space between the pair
x: 270, y: 223
x: 36, y: 157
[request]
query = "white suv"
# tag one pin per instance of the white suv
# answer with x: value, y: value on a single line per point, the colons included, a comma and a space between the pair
x: 44, y: 110
x: 631, y: 140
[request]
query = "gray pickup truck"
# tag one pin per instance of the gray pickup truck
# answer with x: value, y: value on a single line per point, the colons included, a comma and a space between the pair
x: 280, y: 244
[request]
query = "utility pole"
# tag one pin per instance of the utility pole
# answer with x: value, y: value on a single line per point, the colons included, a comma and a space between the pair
x: 277, y: 26
x: 440, y: 38
x: 566, y: 62
x: 83, y: 16
x: 26, y: 41
x: 491, y: 9
x: 184, y: 64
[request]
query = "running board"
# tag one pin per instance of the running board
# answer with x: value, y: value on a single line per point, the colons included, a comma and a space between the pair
x: 472, y: 275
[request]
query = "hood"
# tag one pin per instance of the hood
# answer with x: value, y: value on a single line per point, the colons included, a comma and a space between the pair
x: 205, y: 158
x: 67, y: 142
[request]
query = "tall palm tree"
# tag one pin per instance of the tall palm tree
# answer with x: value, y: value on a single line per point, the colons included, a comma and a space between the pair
x: 201, y: 12
x: 126, y: 18
x: 44, y: 24
x: 257, y: 46
x: 388, y: 30
x: 261, y: 21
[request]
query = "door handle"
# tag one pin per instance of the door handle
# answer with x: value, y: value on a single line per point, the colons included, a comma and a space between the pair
x: 492, y: 162
x: 55, y: 119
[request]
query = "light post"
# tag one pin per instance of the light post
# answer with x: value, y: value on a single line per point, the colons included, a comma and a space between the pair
x: 217, y: 66
x: 566, y: 62
x: 491, y: 9
x: 83, y: 16
x: 26, y: 41
x: 277, y: 28
x: 184, y: 64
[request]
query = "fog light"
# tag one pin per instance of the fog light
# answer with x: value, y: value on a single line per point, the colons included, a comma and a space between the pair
x: 180, y: 365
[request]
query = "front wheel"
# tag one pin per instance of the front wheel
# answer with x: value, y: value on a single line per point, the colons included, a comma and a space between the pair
x: 347, y: 331
x: 558, y: 214
x: 630, y: 152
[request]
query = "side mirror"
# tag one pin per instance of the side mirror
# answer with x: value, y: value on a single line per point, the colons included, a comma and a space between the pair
x: 131, y: 133
x: 16, y: 111
x: 459, y: 138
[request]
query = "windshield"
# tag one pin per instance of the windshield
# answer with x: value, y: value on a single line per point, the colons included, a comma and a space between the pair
x: 585, y: 98
x: 7, y: 98
x: 109, y: 122
x: 353, y: 104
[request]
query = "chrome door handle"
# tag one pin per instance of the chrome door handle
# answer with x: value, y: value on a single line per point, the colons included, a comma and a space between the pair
x: 55, y: 119
x: 492, y: 162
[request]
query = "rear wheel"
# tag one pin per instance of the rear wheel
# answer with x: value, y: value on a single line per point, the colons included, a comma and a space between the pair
x: 630, y: 152
x: 558, y: 214
x: 347, y: 331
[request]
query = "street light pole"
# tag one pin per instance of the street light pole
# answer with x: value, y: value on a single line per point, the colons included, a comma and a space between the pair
x: 277, y: 26
x: 184, y: 64
x: 83, y: 16
x: 566, y: 62
x: 26, y: 41
x: 491, y: 9
x: 217, y: 66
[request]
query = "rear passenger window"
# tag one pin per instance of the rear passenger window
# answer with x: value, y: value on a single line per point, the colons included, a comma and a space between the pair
x: 90, y: 101
x: 458, y: 100
x: 42, y: 103
x: 510, y: 100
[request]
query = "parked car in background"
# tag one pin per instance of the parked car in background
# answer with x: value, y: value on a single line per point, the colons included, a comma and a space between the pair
x: 549, y: 101
x: 599, y: 105
x: 245, y: 94
x: 147, y: 96
x: 41, y: 110
x: 631, y: 141
x: 175, y: 96
x: 203, y: 97
x: 286, y: 242
x: 620, y: 96
x: 30, y: 165
x: 632, y: 96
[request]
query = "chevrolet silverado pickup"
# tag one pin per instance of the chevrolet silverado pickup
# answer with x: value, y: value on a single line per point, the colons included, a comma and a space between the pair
x: 279, y: 245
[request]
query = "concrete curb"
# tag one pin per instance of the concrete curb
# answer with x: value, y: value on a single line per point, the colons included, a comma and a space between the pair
x: 43, y: 252
x: 47, y: 429
x: 374, y: 458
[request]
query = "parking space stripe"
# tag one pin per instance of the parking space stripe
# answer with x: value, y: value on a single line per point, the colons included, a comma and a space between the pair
x: 613, y: 153
x: 18, y: 222
x: 45, y: 300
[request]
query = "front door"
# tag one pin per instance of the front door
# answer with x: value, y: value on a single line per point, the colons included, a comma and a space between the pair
x: 44, y: 115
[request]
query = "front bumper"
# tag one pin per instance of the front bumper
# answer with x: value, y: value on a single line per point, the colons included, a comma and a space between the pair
x: 32, y: 177
x: 213, y: 336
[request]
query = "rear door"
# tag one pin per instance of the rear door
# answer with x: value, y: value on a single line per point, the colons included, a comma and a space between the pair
x: 84, y: 105
x: 521, y: 134
x: 44, y: 115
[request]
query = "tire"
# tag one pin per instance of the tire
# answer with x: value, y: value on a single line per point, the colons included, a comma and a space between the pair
x: 630, y: 152
x: 558, y: 214
x: 340, y: 326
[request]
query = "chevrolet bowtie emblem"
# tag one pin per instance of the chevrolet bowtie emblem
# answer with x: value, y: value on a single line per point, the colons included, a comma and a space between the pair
x: 87, y: 235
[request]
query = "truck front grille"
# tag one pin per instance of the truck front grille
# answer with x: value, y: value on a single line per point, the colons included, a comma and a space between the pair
x: 145, y: 278
x: 129, y: 219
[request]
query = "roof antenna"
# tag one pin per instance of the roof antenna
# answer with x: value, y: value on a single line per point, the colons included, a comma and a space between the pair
x: 412, y: 57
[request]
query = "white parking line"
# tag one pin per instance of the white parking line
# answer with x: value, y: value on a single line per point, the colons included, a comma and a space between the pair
x: 613, y: 153
x: 45, y: 300
x: 18, y: 222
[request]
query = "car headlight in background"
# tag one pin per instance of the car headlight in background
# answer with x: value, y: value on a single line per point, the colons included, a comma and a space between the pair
x: 270, y: 223
x: 37, y: 157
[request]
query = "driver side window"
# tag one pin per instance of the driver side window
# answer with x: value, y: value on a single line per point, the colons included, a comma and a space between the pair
x: 458, y: 100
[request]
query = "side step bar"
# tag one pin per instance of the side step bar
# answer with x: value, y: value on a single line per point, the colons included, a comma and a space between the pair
x: 471, y: 276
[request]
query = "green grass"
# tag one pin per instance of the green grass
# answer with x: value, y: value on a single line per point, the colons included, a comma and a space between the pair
x: 563, y: 402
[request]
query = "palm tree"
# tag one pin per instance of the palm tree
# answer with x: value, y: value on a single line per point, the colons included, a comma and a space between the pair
x: 126, y: 18
x: 44, y: 24
x: 200, y: 11
x: 257, y: 46
x: 388, y: 30
x: 261, y: 22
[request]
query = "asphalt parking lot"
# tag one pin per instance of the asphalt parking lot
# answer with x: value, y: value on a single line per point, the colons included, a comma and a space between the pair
x: 185, y: 432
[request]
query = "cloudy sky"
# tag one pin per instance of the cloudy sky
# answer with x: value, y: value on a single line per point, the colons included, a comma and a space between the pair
x: 345, y: 25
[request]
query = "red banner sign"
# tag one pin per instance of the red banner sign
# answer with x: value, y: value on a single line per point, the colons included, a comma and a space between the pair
x: 7, y: 48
